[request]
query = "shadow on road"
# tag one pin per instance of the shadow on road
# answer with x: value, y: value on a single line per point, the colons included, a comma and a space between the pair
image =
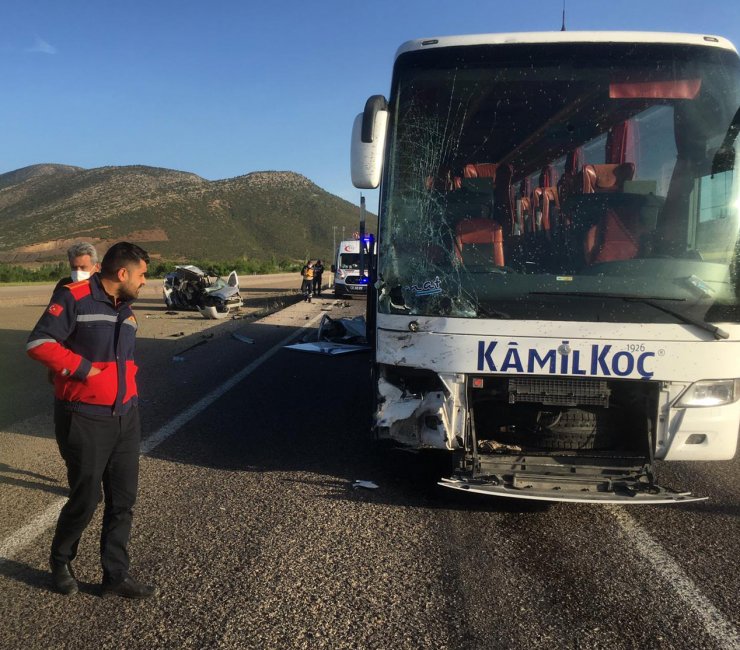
x: 7, y: 477
x: 40, y: 579
x: 297, y: 412
x: 308, y: 415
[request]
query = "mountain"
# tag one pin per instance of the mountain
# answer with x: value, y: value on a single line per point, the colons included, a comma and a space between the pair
x: 173, y: 214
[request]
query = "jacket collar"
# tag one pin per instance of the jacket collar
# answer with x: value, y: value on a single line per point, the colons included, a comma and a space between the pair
x: 98, y: 293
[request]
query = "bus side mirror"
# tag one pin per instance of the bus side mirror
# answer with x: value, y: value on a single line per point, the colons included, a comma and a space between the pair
x: 333, y: 268
x: 368, y: 143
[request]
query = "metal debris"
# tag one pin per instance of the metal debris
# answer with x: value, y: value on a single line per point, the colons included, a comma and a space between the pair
x: 179, y: 357
x: 336, y: 336
x: 328, y: 348
x: 368, y: 485
x: 342, y: 330
x: 494, y: 446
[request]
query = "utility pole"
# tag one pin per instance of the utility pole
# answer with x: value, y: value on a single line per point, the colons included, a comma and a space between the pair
x: 333, y: 252
x: 362, y: 238
x: 342, y: 233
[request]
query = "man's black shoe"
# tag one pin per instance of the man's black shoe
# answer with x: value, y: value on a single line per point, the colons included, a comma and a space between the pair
x: 129, y: 588
x: 63, y: 578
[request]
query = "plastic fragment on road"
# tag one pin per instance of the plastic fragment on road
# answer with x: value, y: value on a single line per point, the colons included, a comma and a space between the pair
x: 241, y: 337
x: 328, y: 348
x: 212, y: 313
x: 367, y: 485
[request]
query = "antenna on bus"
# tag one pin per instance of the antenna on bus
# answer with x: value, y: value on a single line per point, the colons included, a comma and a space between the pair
x: 562, y: 28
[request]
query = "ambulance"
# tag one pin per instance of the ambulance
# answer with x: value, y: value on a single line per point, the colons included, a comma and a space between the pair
x: 349, y: 278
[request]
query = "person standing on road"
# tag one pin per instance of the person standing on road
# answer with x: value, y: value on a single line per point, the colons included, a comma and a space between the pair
x: 307, y: 284
x: 83, y: 261
x: 87, y: 336
x: 318, y: 270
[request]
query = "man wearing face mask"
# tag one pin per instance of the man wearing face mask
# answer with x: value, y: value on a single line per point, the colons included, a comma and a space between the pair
x: 83, y: 260
x: 86, y: 337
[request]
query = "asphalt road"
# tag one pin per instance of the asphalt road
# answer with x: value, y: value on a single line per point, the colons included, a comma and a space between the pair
x: 248, y: 523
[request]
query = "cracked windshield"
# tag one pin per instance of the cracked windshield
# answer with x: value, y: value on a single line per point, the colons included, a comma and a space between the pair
x: 597, y: 184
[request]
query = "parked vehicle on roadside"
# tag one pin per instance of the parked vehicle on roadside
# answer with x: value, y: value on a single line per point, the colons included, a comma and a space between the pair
x: 349, y: 279
x: 190, y: 288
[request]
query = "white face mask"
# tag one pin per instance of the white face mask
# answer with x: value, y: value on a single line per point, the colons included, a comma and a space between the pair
x: 80, y: 275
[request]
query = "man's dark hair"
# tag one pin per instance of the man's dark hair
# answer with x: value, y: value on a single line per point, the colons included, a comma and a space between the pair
x: 120, y: 255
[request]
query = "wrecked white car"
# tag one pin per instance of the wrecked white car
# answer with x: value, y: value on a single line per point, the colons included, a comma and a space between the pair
x: 190, y: 288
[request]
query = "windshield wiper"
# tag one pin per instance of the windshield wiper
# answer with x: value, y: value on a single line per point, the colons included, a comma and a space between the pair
x: 717, y: 332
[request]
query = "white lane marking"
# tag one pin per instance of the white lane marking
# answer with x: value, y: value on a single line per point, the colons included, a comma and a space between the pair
x: 158, y: 437
x: 715, y: 623
x: 14, y: 543
x: 24, y: 536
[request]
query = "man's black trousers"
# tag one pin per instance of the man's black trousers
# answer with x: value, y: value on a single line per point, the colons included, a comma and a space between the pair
x: 98, y: 450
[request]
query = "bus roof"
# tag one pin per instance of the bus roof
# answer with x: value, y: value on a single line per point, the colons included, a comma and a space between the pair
x: 566, y: 37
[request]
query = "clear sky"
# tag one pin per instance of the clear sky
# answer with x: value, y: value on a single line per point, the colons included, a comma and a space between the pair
x: 222, y: 88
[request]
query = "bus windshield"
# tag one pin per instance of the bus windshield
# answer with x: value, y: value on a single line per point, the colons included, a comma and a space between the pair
x: 578, y: 181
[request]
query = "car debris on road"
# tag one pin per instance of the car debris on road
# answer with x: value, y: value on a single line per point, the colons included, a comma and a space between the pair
x: 367, y: 485
x: 336, y: 336
x: 190, y: 288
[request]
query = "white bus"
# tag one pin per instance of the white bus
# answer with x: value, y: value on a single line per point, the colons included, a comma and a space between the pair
x: 556, y: 294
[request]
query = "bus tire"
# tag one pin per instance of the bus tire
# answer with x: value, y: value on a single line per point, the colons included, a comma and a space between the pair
x: 578, y: 429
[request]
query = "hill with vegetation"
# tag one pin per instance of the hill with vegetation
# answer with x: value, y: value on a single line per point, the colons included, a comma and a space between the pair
x: 175, y: 215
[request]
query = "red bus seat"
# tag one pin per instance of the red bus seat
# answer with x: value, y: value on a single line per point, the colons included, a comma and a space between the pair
x: 613, y: 238
x: 524, y: 207
x: 479, y: 238
x: 480, y: 170
x: 607, y: 178
x: 503, y: 198
x: 544, y: 199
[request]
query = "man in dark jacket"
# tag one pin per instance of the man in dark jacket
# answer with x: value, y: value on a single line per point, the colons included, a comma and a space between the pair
x: 318, y: 270
x: 83, y: 262
x: 86, y: 337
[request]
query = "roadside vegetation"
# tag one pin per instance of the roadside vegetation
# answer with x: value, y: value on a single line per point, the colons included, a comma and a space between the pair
x: 157, y: 269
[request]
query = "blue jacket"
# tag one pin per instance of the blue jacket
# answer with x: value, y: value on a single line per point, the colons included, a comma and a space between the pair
x: 82, y: 329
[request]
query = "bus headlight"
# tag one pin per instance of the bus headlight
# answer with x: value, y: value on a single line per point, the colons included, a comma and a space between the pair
x: 711, y: 392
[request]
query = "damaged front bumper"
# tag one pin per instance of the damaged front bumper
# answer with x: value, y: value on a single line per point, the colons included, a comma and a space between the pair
x: 551, y: 490
x: 588, y: 442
